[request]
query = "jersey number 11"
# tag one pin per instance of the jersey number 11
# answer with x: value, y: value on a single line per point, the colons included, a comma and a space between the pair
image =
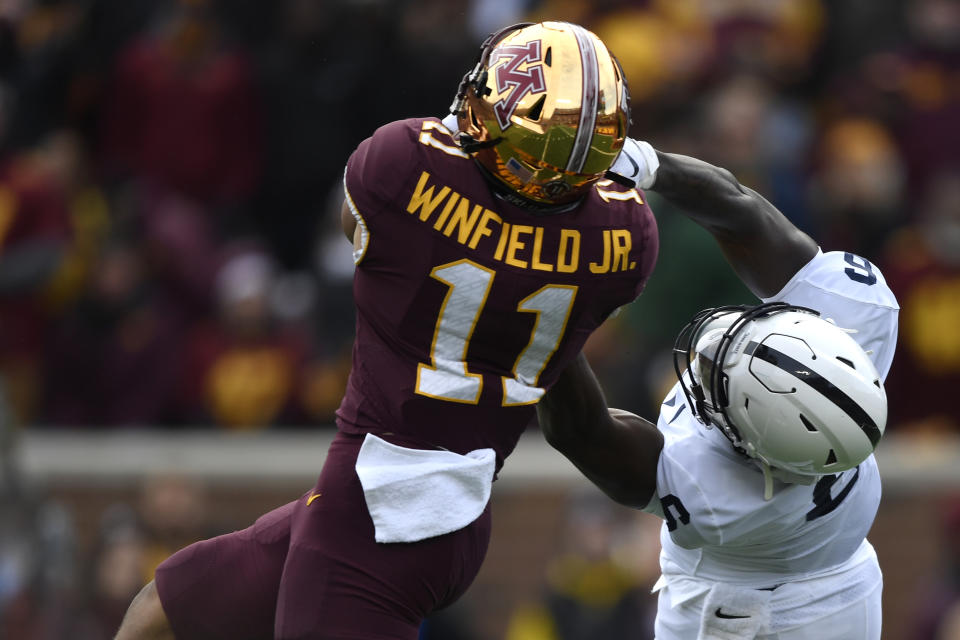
x: 446, y: 377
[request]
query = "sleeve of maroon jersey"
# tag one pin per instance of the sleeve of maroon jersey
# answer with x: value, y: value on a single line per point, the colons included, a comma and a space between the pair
x: 377, y: 169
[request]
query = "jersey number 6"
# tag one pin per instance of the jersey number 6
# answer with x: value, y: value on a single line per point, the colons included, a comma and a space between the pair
x: 446, y: 377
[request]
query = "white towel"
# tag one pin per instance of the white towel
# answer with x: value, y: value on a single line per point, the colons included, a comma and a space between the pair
x: 734, y: 613
x: 414, y: 494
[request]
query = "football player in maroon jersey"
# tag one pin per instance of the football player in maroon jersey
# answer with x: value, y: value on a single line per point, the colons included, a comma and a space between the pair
x: 489, y: 245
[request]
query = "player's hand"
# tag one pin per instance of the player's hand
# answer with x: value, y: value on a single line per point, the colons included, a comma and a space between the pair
x: 638, y: 163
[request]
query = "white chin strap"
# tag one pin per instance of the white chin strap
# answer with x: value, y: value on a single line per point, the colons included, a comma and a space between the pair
x: 769, y: 473
x: 767, y: 481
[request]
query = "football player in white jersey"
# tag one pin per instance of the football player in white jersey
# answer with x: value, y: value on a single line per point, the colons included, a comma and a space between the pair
x: 761, y: 462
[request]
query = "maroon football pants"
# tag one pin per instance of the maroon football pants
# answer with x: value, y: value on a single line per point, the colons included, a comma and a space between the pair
x: 311, y: 569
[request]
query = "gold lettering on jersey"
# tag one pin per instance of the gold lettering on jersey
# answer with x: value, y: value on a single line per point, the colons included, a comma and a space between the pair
x: 621, y: 242
x: 537, y: 248
x: 447, y: 208
x: 462, y: 222
x: 568, y: 256
x: 502, y: 242
x: 483, y: 229
x: 604, y: 266
x: 518, y: 245
x: 425, y: 199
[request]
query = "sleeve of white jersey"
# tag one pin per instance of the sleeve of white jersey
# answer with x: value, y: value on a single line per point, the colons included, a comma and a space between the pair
x: 689, y: 508
x: 850, y: 291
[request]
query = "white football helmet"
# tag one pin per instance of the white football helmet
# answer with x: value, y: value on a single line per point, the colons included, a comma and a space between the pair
x: 788, y: 388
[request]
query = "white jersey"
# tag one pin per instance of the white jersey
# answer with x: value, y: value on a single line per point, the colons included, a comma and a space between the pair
x: 718, y: 527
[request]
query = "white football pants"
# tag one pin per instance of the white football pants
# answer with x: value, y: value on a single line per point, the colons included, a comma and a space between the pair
x: 856, y: 620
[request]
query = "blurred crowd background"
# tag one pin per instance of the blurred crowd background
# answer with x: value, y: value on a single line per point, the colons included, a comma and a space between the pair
x: 170, y: 252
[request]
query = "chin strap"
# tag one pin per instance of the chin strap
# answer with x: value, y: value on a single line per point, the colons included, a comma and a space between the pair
x: 767, y: 481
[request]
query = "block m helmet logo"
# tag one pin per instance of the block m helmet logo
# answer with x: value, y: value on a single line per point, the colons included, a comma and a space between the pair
x: 509, y: 76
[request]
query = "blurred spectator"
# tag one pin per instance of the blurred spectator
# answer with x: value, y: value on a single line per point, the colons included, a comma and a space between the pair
x: 324, y: 90
x: 39, y: 586
x: 19, y: 605
x: 774, y: 38
x: 857, y: 191
x: 34, y: 236
x: 922, y: 267
x: 245, y: 370
x: 434, y: 42
x: 113, y: 359
x: 663, y: 47
x: 950, y: 627
x: 118, y: 578
x: 927, y: 83
x: 172, y: 513
x: 936, y: 610
x: 181, y: 245
x: 67, y: 162
x: 760, y: 136
x: 182, y: 112
x: 910, y: 84
x: 879, y: 26
x: 116, y: 574
x: 41, y: 40
x: 598, y: 586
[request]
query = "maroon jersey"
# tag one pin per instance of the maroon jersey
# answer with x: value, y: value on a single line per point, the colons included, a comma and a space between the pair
x: 469, y: 307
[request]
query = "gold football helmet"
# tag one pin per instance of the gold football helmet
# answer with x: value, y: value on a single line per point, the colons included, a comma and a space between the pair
x: 544, y: 112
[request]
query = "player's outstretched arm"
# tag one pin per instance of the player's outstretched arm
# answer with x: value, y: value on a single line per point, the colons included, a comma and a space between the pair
x: 617, y: 450
x: 761, y: 244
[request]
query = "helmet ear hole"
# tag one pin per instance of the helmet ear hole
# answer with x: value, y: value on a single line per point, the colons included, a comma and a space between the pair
x: 831, y: 458
x: 548, y: 57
